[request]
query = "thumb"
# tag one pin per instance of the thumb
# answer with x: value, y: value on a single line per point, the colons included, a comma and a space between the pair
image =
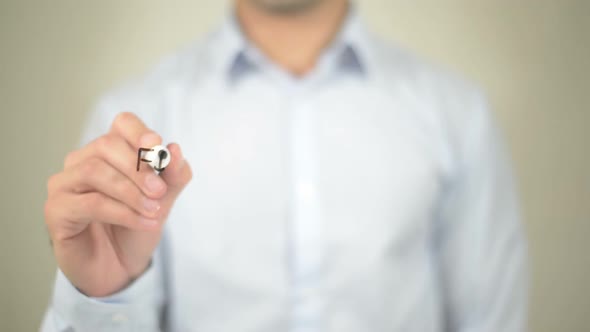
x: 178, y: 173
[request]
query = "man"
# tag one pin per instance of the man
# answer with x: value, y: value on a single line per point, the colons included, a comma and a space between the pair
x: 340, y: 185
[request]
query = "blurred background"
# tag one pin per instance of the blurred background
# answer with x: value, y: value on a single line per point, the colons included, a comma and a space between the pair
x: 531, y: 57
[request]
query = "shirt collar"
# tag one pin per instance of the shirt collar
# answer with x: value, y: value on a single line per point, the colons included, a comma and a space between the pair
x: 235, y: 56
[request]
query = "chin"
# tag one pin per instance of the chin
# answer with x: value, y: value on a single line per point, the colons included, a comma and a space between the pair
x: 286, y: 6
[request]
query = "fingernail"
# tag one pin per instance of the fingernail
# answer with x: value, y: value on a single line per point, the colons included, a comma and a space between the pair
x: 150, y: 205
x: 149, y: 139
x: 153, y: 183
x: 148, y: 222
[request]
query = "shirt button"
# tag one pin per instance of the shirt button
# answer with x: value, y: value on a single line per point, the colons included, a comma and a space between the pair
x: 119, y: 318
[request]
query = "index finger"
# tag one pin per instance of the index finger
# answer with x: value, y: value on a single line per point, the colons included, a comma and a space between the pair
x: 134, y: 131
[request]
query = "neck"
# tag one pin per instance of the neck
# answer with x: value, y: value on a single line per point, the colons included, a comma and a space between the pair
x: 294, y: 41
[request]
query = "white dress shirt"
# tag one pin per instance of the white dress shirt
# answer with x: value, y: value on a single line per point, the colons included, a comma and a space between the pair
x: 371, y: 195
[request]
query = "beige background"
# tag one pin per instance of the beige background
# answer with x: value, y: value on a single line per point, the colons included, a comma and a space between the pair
x: 532, y: 57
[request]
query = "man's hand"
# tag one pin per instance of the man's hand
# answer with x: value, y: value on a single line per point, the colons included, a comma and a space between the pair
x: 105, y: 219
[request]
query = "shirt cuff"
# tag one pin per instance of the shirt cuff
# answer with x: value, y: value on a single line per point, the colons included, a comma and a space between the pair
x: 135, y: 308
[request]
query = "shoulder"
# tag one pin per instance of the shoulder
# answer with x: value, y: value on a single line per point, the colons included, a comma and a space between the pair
x: 455, y: 108
x: 173, y: 71
x: 444, y: 93
x: 150, y: 94
x: 422, y: 77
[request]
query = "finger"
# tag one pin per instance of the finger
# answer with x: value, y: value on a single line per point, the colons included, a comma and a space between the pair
x: 134, y: 131
x: 112, y: 148
x: 68, y: 214
x: 97, y: 175
x: 178, y: 173
x: 117, y: 152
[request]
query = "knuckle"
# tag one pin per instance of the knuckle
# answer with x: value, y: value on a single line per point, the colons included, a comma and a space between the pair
x: 50, y: 214
x: 87, y: 168
x: 104, y: 143
x: 48, y: 211
x: 90, y: 167
x: 70, y: 159
x: 122, y: 118
x: 52, y: 184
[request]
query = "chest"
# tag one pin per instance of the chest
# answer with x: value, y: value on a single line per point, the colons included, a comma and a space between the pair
x: 378, y: 173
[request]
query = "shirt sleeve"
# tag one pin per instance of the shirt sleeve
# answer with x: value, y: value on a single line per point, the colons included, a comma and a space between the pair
x: 138, y: 307
x: 480, y: 244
